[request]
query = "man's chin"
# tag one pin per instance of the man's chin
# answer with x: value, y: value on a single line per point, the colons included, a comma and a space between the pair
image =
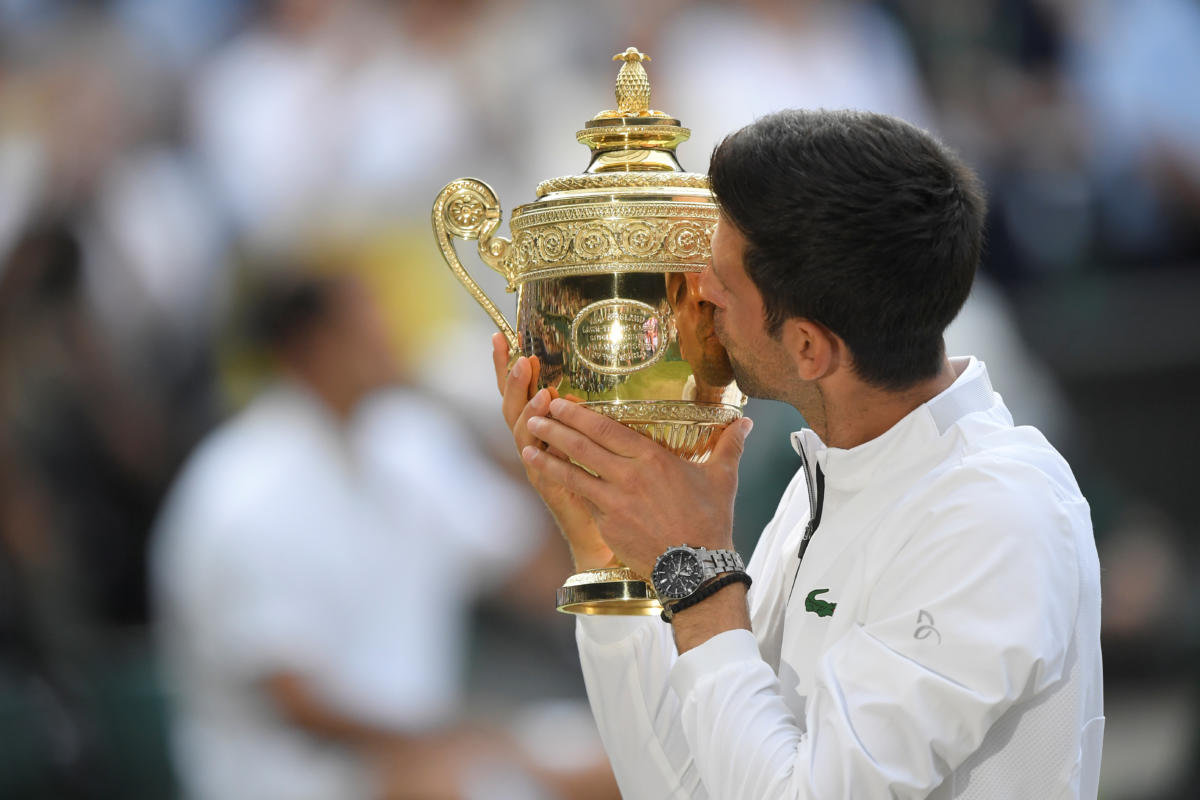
x: 745, y: 381
x: 751, y: 386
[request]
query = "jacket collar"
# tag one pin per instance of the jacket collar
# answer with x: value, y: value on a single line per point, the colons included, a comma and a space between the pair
x: 907, y: 442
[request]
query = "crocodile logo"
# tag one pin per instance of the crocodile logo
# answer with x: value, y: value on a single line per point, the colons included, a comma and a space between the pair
x: 822, y: 608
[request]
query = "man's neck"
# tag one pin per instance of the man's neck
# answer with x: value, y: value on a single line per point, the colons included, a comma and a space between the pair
x: 853, y: 412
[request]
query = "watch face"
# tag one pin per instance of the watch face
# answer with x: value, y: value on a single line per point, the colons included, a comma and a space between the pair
x: 677, y: 574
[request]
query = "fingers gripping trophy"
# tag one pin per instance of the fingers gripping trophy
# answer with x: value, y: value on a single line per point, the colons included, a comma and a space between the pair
x: 604, y: 267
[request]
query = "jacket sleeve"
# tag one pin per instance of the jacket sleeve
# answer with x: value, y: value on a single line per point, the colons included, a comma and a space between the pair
x: 973, y: 613
x: 627, y: 664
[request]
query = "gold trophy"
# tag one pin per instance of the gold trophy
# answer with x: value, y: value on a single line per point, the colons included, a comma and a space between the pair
x: 605, y: 267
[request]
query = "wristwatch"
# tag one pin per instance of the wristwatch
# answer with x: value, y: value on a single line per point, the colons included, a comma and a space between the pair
x: 681, y: 571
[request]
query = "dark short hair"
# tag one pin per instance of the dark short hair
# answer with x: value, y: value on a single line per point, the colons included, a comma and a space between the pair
x: 860, y: 222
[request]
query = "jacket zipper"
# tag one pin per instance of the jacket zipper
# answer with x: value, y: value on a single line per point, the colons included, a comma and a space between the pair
x: 816, y: 503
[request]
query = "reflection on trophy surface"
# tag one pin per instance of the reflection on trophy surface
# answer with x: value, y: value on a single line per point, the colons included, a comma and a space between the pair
x: 605, y: 266
x: 712, y: 374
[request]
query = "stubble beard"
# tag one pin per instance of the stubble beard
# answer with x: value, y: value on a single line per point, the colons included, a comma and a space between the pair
x: 753, y: 375
x: 748, y: 377
x: 748, y: 381
x: 745, y: 382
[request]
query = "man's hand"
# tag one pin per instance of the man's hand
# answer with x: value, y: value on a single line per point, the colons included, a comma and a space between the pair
x: 574, y: 515
x: 643, y: 497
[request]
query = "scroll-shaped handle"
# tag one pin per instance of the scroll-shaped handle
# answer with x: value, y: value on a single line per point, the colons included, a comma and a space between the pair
x: 468, y: 208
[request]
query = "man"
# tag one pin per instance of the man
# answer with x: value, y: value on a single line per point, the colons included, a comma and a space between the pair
x: 924, y: 616
x: 315, y: 566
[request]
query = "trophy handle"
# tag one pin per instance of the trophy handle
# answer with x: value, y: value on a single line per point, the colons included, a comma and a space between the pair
x: 468, y: 209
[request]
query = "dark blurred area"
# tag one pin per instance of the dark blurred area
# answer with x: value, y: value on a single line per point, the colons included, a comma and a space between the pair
x: 157, y: 155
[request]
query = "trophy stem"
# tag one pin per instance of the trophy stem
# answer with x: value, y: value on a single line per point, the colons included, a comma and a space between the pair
x: 612, y: 590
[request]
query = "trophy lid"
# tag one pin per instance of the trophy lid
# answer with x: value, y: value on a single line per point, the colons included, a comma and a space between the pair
x: 633, y: 209
x: 632, y: 138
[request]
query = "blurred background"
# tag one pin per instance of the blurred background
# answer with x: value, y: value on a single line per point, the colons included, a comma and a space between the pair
x: 170, y: 169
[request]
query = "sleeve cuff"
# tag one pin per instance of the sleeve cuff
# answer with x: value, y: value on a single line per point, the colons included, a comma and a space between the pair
x: 722, y: 650
x: 608, y: 630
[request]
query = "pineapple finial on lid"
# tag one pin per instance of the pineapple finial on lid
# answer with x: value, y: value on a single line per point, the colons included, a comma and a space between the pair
x: 633, y: 87
x: 633, y: 84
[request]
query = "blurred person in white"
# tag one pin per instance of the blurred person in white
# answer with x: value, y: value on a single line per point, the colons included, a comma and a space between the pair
x: 313, y: 569
x: 772, y: 54
x: 342, y: 110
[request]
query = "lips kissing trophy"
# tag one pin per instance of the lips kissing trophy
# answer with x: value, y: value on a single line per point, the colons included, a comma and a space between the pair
x: 604, y: 265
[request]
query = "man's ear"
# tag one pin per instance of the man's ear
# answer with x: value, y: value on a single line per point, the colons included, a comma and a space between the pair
x: 817, y: 352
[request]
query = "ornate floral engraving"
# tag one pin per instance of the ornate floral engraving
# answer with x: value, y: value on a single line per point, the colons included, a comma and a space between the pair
x: 668, y: 411
x: 466, y: 212
x: 689, y: 240
x: 626, y: 211
x: 652, y: 237
x: 641, y: 238
x: 594, y: 241
x: 553, y: 242
x: 602, y: 574
x: 687, y: 429
x: 681, y: 180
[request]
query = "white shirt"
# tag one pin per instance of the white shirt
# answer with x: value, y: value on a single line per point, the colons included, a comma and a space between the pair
x: 961, y: 658
x: 348, y: 555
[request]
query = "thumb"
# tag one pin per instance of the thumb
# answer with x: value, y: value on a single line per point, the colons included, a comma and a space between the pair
x: 733, y: 441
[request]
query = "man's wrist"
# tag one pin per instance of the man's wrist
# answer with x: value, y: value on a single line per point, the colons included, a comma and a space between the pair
x: 585, y: 560
x: 584, y: 542
x: 724, y: 611
x: 704, y: 591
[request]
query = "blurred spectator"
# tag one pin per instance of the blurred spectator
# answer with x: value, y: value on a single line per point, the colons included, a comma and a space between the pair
x: 1135, y: 68
x: 314, y: 566
x: 332, y: 111
x: 721, y: 65
x: 93, y: 448
x: 82, y: 458
x: 991, y: 67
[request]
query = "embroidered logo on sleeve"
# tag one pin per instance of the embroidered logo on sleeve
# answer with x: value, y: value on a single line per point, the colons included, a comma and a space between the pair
x: 822, y: 608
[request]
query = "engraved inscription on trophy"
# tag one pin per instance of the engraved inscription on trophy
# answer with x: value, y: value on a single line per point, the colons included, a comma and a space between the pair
x: 618, y: 336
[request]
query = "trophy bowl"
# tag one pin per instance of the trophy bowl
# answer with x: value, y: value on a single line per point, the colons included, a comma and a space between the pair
x: 605, y: 265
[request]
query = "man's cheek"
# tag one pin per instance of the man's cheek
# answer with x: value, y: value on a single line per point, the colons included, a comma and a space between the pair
x: 718, y: 321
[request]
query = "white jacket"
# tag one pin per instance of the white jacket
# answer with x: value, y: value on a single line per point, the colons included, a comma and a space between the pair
x: 940, y: 638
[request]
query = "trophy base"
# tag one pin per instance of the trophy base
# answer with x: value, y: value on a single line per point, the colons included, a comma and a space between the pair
x: 613, y: 591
